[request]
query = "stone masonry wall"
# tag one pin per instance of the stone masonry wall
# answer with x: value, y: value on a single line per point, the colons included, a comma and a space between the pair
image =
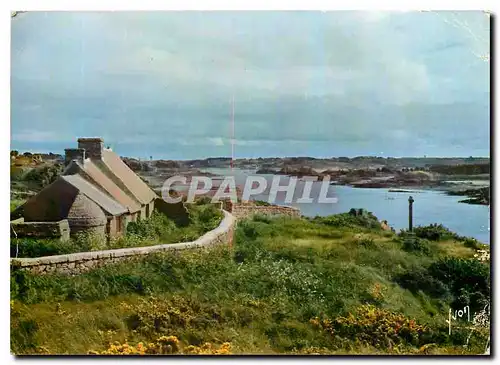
x: 40, y: 229
x: 73, y: 264
x: 241, y: 211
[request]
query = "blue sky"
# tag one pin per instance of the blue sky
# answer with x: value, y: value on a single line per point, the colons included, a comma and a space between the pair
x: 304, y: 83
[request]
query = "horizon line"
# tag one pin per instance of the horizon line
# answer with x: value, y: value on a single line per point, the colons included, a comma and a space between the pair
x: 284, y: 157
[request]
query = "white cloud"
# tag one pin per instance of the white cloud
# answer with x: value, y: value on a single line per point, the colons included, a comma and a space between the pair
x: 216, y: 141
x: 37, y: 136
x: 297, y: 76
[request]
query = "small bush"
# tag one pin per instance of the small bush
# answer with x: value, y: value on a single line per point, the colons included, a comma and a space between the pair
x: 416, y: 244
x: 419, y: 279
x: 203, y: 200
x: 458, y: 281
x: 468, y: 280
x: 261, y: 218
x: 367, y: 220
x: 261, y: 203
x: 374, y: 326
x: 206, y: 217
x: 156, y: 227
x: 44, y: 175
x: 89, y: 241
x: 432, y: 232
x: 14, y: 203
x: 32, y: 247
x: 471, y: 243
x: 365, y: 241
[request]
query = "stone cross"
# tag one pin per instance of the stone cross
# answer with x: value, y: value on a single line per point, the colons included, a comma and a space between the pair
x: 410, y: 216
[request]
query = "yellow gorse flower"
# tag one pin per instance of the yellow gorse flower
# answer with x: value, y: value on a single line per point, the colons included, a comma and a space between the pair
x: 164, y: 345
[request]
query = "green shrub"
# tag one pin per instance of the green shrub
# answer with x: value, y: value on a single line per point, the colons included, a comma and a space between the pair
x: 471, y: 243
x: 468, y: 280
x: 252, y: 229
x: 156, y: 227
x: 203, y: 218
x: 32, y: 247
x: 415, y: 244
x: 86, y: 241
x: 261, y: 218
x: 432, y: 232
x: 203, y: 200
x: 44, y: 175
x: 207, y: 216
x: 419, y: 279
x: 14, y: 203
x: 261, y: 203
x: 367, y: 220
x: 458, y: 281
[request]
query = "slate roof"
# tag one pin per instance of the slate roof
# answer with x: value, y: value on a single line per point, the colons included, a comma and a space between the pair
x: 70, y: 199
x: 107, y: 203
x: 91, y: 172
x: 140, y: 190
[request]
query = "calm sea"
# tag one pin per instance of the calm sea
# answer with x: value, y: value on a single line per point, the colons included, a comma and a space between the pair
x: 429, y: 206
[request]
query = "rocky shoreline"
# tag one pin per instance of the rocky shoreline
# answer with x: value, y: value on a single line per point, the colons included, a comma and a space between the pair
x: 360, y: 172
x: 479, y: 196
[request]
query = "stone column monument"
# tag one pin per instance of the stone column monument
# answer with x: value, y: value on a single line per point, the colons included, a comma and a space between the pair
x: 410, y: 213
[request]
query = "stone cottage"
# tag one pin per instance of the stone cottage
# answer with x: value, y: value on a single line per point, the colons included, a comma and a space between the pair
x: 83, y: 205
x: 97, y: 193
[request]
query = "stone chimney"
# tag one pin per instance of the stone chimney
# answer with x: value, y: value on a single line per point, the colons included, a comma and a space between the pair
x: 74, y: 154
x: 92, y: 146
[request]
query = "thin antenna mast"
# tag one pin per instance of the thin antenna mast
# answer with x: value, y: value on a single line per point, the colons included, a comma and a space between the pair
x: 232, y: 134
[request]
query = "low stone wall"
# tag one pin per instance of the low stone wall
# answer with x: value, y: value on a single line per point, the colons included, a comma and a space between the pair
x: 60, y: 229
x: 242, y: 211
x: 77, y: 263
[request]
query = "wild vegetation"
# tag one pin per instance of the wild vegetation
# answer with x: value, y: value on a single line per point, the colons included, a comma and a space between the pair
x: 158, y: 229
x: 28, y: 175
x: 297, y: 286
x: 475, y: 196
x: 465, y: 169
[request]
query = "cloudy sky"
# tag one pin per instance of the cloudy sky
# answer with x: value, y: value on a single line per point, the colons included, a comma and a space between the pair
x: 304, y: 83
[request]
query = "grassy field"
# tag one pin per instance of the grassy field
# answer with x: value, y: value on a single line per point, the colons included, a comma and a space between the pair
x: 332, y: 285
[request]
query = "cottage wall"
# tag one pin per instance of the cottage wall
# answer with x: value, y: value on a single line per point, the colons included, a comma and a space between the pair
x: 142, y: 214
x: 150, y: 208
x: 112, y: 228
